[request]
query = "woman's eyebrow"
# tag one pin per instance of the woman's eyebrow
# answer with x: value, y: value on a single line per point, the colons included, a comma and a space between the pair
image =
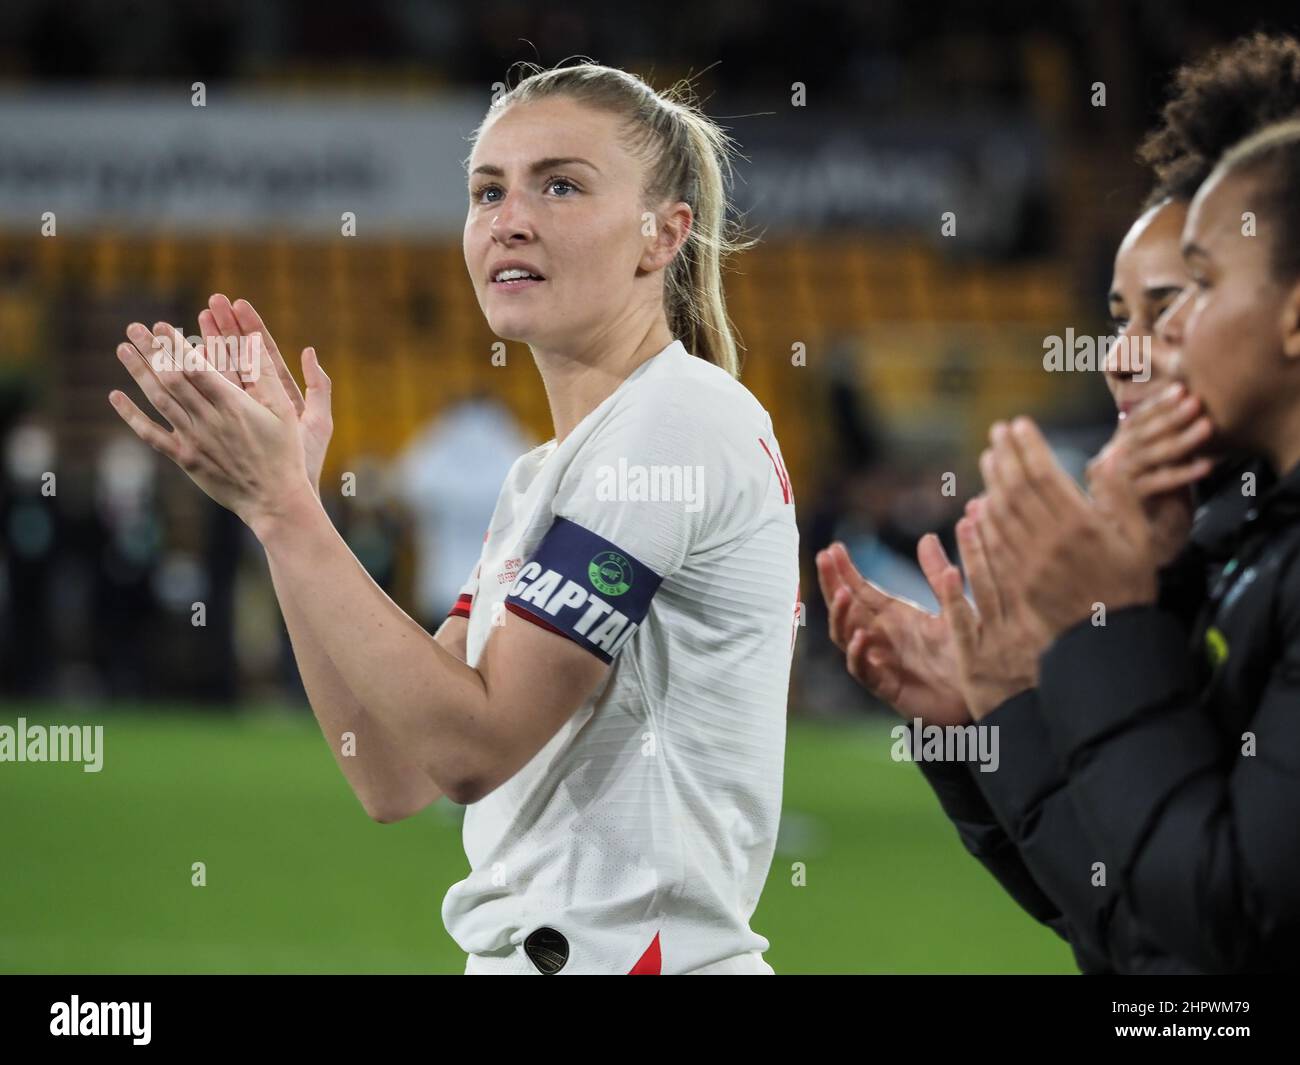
x: 1159, y: 292
x: 548, y: 163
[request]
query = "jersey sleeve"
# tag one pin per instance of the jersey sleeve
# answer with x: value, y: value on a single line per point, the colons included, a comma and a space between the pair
x: 638, y: 498
x: 465, y: 599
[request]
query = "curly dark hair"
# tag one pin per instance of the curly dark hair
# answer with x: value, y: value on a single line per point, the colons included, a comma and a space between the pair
x: 1215, y: 102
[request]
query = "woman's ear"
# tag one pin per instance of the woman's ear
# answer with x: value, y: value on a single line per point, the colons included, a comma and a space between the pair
x: 1291, y: 322
x: 666, y: 232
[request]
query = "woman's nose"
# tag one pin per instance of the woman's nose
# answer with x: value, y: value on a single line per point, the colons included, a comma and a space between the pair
x: 511, y: 220
x: 1117, y: 361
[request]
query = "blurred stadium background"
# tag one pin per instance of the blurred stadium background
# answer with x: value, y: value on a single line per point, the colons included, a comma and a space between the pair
x: 121, y: 200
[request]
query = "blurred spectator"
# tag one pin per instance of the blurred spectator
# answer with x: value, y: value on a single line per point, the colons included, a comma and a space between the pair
x: 370, y: 524
x: 30, y: 515
x: 129, y: 534
x: 884, y: 517
x: 450, y: 477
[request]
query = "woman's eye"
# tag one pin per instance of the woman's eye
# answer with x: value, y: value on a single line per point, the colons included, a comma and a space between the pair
x: 479, y: 193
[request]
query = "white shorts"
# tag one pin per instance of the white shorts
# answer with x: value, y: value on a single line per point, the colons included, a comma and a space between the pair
x: 516, y: 963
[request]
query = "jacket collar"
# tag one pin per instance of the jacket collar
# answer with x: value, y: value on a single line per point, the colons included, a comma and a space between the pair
x: 1283, y: 499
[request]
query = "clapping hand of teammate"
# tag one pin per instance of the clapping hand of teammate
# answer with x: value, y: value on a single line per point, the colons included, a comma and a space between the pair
x: 898, y: 651
x: 223, y: 320
x: 997, y: 641
x: 242, y: 445
x: 1040, y: 555
x: 1163, y: 441
x: 1033, y: 548
x: 1060, y: 552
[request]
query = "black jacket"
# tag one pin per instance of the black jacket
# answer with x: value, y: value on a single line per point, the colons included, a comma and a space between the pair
x: 1129, y: 755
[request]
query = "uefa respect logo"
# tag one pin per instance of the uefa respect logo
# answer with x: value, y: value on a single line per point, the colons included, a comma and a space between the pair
x: 174, y: 351
x: 610, y: 573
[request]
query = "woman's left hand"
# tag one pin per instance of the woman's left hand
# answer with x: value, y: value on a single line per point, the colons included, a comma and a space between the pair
x: 1064, y: 553
x: 241, y: 447
x: 1162, y: 445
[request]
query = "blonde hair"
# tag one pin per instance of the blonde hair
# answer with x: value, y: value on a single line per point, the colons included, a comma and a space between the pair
x: 688, y: 159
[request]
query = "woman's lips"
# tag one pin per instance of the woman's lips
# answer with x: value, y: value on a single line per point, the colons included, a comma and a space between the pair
x: 1132, y: 399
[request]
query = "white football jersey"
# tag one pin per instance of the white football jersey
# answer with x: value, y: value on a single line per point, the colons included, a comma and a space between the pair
x: 660, y: 536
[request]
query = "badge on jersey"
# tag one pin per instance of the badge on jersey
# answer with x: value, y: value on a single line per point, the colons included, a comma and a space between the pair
x: 585, y: 588
x: 547, y: 949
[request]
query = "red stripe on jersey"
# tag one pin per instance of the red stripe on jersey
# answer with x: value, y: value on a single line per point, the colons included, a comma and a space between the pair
x: 515, y: 609
x: 788, y: 486
x: 780, y: 473
x: 462, y: 607
x: 795, y: 631
x: 650, y: 962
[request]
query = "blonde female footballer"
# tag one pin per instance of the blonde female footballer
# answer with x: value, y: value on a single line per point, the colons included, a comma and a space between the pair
x: 608, y: 696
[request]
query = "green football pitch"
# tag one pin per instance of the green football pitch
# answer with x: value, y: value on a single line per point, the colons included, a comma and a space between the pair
x: 98, y: 867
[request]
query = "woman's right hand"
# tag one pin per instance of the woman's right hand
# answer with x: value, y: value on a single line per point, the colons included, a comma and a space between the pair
x: 1159, y: 440
x: 998, y: 641
x: 222, y: 319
